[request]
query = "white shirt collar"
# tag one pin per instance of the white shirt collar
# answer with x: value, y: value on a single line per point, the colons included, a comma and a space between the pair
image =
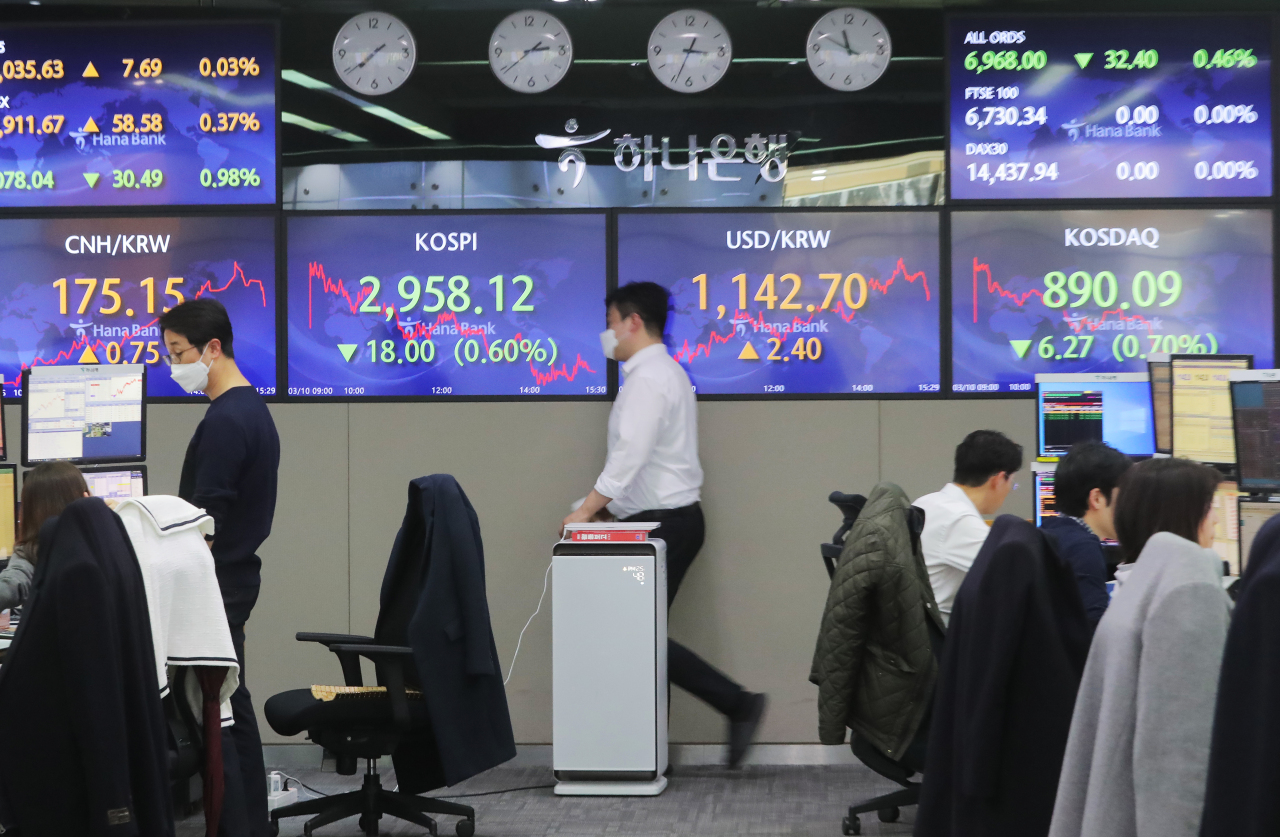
x: 956, y: 493
x: 643, y: 356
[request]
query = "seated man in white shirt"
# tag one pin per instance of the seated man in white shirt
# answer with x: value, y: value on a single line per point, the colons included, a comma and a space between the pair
x: 954, y: 530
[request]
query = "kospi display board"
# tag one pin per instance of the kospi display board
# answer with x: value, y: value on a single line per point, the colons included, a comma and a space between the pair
x: 90, y: 290
x: 1109, y: 106
x: 447, y: 304
x: 797, y: 303
x: 1099, y: 291
x: 137, y: 114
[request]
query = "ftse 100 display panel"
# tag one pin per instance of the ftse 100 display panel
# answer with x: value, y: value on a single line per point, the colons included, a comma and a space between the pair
x: 1101, y: 290
x: 449, y: 305
x: 91, y: 290
x: 799, y: 303
x: 137, y: 114
x: 1109, y: 107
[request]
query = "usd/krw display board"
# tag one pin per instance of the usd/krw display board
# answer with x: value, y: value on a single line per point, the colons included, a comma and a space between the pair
x: 794, y: 303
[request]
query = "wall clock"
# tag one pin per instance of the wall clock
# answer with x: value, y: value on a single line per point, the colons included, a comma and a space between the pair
x: 689, y: 51
x: 374, y: 53
x: 848, y: 49
x: 530, y: 51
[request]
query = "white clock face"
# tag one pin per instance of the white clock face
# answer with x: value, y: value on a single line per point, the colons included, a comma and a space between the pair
x: 848, y: 49
x: 530, y: 51
x: 374, y: 53
x: 689, y: 51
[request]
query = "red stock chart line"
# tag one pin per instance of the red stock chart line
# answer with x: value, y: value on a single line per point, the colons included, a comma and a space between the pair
x: 1077, y: 323
x: 83, y: 342
x: 689, y: 352
x: 420, y: 330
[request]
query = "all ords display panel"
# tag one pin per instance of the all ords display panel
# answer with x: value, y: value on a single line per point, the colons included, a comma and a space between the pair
x: 446, y: 304
x: 91, y: 290
x: 137, y: 114
x: 1109, y: 106
x: 1100, y: 290
x: 794, y: 303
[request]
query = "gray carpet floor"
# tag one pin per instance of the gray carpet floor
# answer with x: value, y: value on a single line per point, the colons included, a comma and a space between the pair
x: 757, y: 800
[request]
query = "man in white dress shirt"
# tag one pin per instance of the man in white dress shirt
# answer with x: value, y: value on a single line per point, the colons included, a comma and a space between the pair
x: 954, y: 530
x: 652, y: 474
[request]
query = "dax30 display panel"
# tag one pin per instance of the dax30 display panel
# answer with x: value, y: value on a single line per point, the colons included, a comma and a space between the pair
x: 447, y: 305
x: 1167, y: 106
x: 1100, y: 290
x: 91, y: 290
x: 137, y: 114
x: 798, y: 303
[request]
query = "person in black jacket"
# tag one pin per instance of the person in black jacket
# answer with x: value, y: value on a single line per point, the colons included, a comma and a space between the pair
x: 1015, y: 650
x: 230, y: 472
x: 1085, y: 487
x: 433, y: 599
x: 81, y: 723
x: 1244, y: 760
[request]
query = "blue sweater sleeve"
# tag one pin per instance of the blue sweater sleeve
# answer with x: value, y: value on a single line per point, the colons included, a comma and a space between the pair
x: 221, y: 463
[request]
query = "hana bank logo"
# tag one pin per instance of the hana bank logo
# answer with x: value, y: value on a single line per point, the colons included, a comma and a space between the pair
x: 630, y: 153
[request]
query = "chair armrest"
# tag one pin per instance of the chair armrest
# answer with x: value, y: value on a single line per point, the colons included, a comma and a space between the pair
x: 350, y: 663
x: 389, y: 661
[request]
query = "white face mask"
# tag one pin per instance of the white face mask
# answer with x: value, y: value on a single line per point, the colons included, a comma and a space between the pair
x: 608, y: 342
x: 191, y: 376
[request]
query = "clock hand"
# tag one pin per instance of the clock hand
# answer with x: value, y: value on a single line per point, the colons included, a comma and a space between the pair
x: 370, y: 58
x: 538, y: 47
x: 680, y: 72
x: 847, y: 48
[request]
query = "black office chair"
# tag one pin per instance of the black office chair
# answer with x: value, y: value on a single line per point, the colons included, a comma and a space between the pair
x: 886, y: 806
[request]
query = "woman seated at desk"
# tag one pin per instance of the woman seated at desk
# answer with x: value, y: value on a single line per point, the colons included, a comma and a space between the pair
x: 47, y: 489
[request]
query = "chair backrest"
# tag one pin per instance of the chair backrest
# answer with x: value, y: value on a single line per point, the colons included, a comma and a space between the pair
x: 850, y: 505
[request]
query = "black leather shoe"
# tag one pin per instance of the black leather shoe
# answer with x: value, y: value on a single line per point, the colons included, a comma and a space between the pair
x: 742, y: 729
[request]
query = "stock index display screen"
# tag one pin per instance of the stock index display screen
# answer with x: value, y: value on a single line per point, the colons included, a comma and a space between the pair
x: 794, y: 302
x: 90, y: 290
x: 1109, y: 107
x: 137, y: 114
x: 1099, y: 291
x: 447, y: 305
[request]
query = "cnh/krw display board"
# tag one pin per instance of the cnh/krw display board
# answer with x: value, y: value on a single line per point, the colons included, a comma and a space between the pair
x: 794, y: 303
x: 137, y: 114
x: 91, y: 290
x: 1107, y: 106
x: 1100, y: 290
x: 447, y: 305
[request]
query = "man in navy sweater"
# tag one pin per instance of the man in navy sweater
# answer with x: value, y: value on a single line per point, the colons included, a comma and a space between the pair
x: 230, y: 472
x: 1085, y: 488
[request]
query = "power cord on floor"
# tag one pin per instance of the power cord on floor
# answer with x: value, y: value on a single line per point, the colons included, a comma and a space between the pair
x: 491, y: 793
x: 546, y: 576
x: 303, y: 784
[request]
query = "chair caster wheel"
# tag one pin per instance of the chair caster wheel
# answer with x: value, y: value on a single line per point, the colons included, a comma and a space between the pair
x: 274, y: 828
x: 851, y: 825
x: 306, y: 829
x: 888, y: 814
x: 465, y: 828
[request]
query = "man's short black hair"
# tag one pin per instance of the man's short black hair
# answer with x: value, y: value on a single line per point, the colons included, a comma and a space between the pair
x: 200, y: 320
x: 984, y: 453
x: 1163, y: 495
x: 648, y: 299
x: 1088, y: 465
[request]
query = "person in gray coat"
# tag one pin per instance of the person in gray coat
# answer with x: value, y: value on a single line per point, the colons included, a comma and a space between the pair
x: 1138, y: 752
x: 47, y: 489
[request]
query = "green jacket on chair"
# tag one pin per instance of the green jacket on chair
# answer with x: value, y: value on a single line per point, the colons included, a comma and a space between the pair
x: 874, y: 664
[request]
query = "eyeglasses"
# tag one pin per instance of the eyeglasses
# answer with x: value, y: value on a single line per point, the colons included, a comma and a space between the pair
x: 170, y: 359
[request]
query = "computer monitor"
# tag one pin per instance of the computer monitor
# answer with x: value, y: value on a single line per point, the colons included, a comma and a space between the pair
x: 1255, y: 409
x: 111, y: 482
x: 84, y: 414
x: 1045, y: 504
x: 1105, y: 407
x: 8, y: 509
x: 1202, y: 406
x: 1161, y: 374
x: 1226, y: 534
x: 1252, y: 514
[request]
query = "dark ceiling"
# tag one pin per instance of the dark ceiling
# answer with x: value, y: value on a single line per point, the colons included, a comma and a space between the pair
x: 768, y: 90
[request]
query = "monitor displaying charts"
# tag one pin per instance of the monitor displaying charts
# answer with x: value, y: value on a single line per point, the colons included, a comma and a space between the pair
x: 8, y: 509
x: 1113, y: 408
x: 1202, y: 421
x: 1045, y: 503
x: 1252, y: 515
x: 116, y: 483
x: 1226, y: 534
x: 84, y: 414
x: 1255, y: 407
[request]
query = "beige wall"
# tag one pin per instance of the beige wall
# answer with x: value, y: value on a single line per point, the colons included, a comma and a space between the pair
x: 750, y: 605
